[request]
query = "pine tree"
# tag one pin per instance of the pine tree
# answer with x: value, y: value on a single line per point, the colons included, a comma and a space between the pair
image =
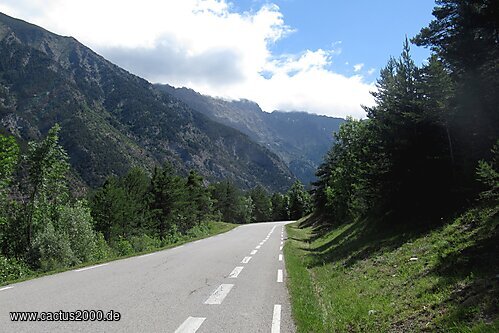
x: 164, y: 197
x: 299, y: 201
x: 261, y: 202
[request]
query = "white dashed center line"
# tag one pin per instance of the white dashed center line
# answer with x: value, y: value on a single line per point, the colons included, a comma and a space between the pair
x: 253, y: 252
x: 235, y: 272
x: 258, y: 246
x: 276, y: 319
x: 246, y: 260
x: 190, y: 325
x: 219, y: 294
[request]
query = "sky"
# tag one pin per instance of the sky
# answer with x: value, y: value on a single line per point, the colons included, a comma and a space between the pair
x: 318, y: 56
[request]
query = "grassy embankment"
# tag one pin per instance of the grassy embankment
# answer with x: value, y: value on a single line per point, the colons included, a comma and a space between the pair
x: 212, y: 229
x: 355, y: 278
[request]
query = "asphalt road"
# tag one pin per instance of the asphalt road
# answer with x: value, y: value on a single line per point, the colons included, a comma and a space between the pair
x: 233, y: 282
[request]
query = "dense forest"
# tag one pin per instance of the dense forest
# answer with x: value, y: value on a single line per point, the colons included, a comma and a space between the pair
x: 44, y: 227
x: 426, y: 148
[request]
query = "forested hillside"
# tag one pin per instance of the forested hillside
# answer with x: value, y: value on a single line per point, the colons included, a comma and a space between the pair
x: 300, y: 139
x: 112, y: 120
x: 43, y: 227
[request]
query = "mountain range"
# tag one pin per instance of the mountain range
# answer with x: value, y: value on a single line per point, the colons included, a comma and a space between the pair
x: 113, y: 120
x: 300, y: 139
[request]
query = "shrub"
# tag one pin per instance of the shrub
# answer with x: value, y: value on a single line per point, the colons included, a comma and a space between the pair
x: 52, y: 250
x: 102, y: 249
x: 12, y: 269
x: 122, y: 247
x: 144, y: 243
x: 77, y: 222
x: 198, y: 230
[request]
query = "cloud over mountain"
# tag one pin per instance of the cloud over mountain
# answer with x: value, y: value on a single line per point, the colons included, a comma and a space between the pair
x: 206, y: 45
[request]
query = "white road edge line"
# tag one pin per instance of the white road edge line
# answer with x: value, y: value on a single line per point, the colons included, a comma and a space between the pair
x: 253, y: 252
x: 5, y: 288
x: 280, y: 257
x: 91, y: 267
x: 235, y: 272
x: 246, y: 260
x: 276, y: 319
x: 219, y: 294
x: 282, y: 242
x: 147, y: 255
x: 280, y: 248
x: 279, y: 275
x: 190, y: 325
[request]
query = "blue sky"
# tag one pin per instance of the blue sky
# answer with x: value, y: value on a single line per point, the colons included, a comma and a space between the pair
x: 318, y: 56
x: 370, y: 31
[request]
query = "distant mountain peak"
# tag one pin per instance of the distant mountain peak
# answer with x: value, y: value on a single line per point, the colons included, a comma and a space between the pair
x: 299, y: 138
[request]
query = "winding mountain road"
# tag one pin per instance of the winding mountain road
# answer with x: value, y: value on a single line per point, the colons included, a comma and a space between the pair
x: 233, y: 282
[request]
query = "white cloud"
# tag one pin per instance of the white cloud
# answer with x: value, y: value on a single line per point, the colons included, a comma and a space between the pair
x: 371, y: 71
x: 357, y: 67
x: 205, y: 45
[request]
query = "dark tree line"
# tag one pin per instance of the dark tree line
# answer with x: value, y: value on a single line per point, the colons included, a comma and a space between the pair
x: 257, y: 205
x: 43, y: 227
x: 431, y: 127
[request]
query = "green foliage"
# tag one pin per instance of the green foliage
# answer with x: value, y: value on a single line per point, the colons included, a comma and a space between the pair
x: 76, y: 222
x: 144, y: 243
x: 46, y: 185
x: 245, y: 209
x: 102, y: 249
x: 410, y: 154
x: 12, y: 269
x: 463, y: 35
x: 280, y: 207
x: 120, y: 206
x: 344, y: 188
x: 226, y: 201
x: 488, y: 174
x: 51, y: 249
x: 262, y: 206
x: 122, y: 247
x: 9, y: 155
x: 45, y: 230
x: 165, y: 201
x: 299, y: 201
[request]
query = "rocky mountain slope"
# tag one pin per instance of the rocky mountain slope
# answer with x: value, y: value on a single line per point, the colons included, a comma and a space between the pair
x: 112, y: 120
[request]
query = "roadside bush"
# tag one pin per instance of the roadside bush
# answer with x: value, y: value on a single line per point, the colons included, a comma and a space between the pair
x: 102, y: 249
x: 173, y: 236
x: 198, y: 231
x: 76, y: 221
x: 144, y: 243
x: 12, y: 269
x: 122, y: 247
x: 52, y: 250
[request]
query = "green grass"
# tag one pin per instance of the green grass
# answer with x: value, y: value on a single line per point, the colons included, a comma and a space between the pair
x: 214, y: 228
x: 356, y: 278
